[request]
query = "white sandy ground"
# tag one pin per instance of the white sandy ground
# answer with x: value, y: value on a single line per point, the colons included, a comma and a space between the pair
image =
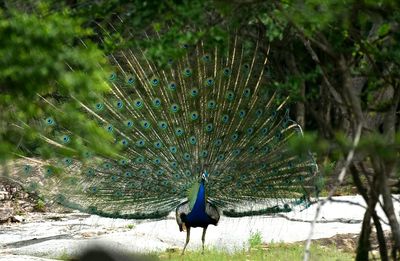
x: 41, y: 238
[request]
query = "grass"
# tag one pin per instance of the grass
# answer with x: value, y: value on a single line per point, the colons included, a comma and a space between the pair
x: 255, y: 240
x: 130, y: 226
x: 270, y: 252
x: 40, y: 206
x: 273, y: 252
x: 257, y: 251
x: 64, y: 256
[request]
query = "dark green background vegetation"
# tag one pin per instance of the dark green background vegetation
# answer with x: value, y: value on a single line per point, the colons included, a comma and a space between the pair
x: 338, y: 60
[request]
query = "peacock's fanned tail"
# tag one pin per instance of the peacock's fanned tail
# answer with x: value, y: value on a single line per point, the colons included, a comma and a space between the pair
x: 210, y: 110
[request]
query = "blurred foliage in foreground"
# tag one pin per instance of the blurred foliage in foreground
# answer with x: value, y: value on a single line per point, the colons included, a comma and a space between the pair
x: 43, y: 60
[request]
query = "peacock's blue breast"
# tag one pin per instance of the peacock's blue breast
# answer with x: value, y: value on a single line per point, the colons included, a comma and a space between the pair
x: 198, y: 216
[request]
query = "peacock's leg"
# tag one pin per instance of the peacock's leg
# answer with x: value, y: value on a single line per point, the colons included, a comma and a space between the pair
x: 203, y: 238
x: 187, y: 239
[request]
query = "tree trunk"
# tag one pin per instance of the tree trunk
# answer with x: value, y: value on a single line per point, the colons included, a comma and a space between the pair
x: 381, y: 237
x: 300, y: 108
x: 363, y: 242
x: 388, y: 171
x: 390, y: 213
x: 371, y: 200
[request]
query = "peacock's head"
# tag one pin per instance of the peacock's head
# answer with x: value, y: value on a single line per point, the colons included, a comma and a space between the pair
x: 204, y: 176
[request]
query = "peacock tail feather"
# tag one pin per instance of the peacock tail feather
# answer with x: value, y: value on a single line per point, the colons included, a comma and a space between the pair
x: 210, y: 110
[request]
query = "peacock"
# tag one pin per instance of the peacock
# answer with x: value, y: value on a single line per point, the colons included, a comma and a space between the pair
x: 205, y: 135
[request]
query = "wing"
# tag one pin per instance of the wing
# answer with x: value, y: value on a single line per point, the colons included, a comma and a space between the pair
x: 212, y: 212
x: 182, y: 208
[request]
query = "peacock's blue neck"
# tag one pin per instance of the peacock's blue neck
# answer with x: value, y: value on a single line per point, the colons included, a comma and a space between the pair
x: 201, y: 198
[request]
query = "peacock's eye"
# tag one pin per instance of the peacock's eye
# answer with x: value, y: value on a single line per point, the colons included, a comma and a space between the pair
x: 194, y: 92
x: 113, y: 76
x: 187, y: 72
x: 227, y: 71
x: 50, y: 121
x: 154, y: 82
x: 131, y: 80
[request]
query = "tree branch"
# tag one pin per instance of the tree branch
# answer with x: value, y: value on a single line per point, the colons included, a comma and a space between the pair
x: 339, y: 181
